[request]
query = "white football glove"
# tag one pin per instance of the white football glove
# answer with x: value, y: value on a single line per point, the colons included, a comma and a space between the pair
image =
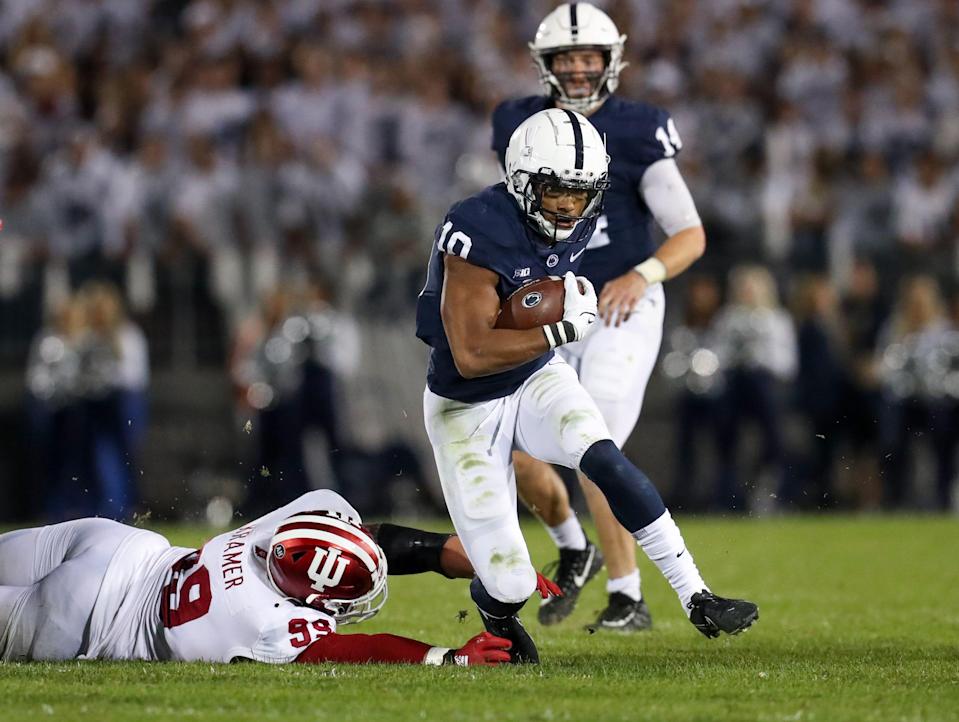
x: 579, y: 312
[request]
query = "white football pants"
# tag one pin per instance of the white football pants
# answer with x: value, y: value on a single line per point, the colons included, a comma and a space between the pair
x: 550, y: 417
x: 614, y: 364
x: 49, y: 580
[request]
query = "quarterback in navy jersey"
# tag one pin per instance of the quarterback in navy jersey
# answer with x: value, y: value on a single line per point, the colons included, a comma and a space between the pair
x: 579, y: 54
x: 492, y: 390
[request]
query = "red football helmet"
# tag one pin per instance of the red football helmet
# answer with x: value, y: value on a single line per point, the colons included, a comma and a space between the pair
x: 326, y: 560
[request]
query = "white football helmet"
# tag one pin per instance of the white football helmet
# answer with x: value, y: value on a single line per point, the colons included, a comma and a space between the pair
x: 557, y: 148
x: 578, y: 26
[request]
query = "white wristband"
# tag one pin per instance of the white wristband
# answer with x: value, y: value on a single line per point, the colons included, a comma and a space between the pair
x: 434, y: 656
x: 652, y: 269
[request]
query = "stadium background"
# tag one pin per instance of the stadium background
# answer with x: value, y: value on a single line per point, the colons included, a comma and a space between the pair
x: 259, y: 182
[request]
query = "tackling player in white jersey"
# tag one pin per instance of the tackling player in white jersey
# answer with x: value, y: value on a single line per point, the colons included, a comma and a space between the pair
x: 274, y: 590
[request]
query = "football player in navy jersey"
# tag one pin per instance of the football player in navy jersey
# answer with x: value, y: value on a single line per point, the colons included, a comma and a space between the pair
x: 579, y: 54
x: 491, y: 390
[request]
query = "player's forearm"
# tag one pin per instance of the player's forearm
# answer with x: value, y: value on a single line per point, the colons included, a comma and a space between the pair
x: 365, y: 649
x: 495, y: 350
x: 469, y: 308
x: 453, y: 560
x: 414, y: 551
x: 677, y: 253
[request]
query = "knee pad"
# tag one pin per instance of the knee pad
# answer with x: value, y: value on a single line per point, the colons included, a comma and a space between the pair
x: 513, y: 585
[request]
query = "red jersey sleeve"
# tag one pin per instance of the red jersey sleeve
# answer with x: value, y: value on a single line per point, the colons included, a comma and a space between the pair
x: 363, y: 649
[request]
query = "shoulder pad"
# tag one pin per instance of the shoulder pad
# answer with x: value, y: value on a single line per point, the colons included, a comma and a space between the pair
x: 641, y: 133
x: 480, y: 228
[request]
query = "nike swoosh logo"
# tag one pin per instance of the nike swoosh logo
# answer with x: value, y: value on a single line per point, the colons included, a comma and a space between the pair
x: 580, y: 579
x: 681, y: 553
x: 574, y: 256
x: 619, y: 623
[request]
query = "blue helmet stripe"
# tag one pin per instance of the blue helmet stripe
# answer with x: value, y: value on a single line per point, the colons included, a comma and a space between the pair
x: 577, y: 138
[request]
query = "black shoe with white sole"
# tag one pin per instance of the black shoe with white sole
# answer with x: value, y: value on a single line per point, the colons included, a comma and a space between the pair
x: 711, y: 614
x: 623, y: 614
x: 574, y: 568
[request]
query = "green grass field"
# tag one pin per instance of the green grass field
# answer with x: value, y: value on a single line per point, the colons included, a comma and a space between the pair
x: 859, y: 621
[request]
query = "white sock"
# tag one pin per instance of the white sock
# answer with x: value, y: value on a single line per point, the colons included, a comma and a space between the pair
x: 628, y: 585
x: 664, y: 545
x: 569, y: 534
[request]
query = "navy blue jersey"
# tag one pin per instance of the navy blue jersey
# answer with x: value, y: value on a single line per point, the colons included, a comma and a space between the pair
x: 637, y: 135
x: 489, y: 230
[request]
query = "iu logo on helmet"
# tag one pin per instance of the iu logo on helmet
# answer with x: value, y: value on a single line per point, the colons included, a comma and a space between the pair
x: 333, y: 568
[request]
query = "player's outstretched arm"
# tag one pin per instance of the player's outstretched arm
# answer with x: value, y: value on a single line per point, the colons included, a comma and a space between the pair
x: 483, y: 649
x: 621, y: 295
x: 469, y: 306
x: 414, y: 551
x: 668, y: 198
x: 665, y: 193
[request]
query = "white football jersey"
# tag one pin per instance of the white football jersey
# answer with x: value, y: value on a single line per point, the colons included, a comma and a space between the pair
x: 211, y: 604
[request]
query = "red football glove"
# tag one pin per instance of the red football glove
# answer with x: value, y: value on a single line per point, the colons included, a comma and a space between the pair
x: 547, y: 587
x: 483, y: 649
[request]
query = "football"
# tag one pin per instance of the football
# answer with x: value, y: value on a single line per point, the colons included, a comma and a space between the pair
x: 534, y: 304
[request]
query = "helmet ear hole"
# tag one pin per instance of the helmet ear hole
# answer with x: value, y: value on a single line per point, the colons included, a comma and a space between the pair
x: 296, y: 556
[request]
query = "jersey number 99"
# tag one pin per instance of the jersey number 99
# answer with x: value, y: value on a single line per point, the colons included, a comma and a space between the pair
x: 182, y: 603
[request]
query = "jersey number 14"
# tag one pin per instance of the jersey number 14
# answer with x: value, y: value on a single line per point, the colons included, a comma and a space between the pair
x: 669, y: 137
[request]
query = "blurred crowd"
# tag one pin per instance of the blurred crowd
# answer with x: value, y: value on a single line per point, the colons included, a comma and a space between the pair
x: 200, y: 154
x: 851, y: 398
x: 87, y: 380
x: 290, y: 364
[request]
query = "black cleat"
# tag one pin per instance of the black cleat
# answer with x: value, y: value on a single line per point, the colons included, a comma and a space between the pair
x: 523, y: 650
x: 711, y: 614
x: 574, y: 568
x: 623, y: 614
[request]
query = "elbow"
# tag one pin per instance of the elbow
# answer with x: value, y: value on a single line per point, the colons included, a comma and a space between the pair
x: 464, y: 365
x: 698, y: 242
x: 468, y: 364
